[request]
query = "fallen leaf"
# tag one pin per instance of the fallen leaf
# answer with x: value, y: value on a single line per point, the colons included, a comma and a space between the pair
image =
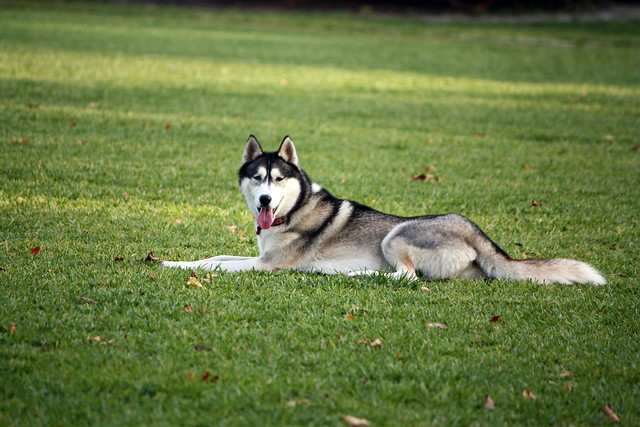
x: 33, y: 106
x: 20, y: 141
x: 496, y: 319
x: 88, y: 300
x: 231, y: 228
x: 177, y: 221
x: 73, y: 123
x: 193, y: 281
x: 203, y: 347
x: 207, y: 375
x: 429, y: 168
x: 118, y: 259
x: 426, y: 177
x: 609, y: 137
x: 534, y: 202
x: 13, y: 328
x: 619, y: 275
x: 528, y: 394
x: 35, y: 250
x: 424, y: 289
x: 635, y: 148
x: 144, y: 126
x: 567, y: 387
x: 355, y: 421
x: 187, y: 308
x: 377, y: 343
x: 566, y: 374
x: 167, y: 127
x: 478, y: 134
x: 208, y: 277
x: 151, y: 258
x: 488, y: 402
x: 348, y: 316
x: 100, y: 340
x: 608, y: 412
x: 437, y: 325
x: 93, y: 104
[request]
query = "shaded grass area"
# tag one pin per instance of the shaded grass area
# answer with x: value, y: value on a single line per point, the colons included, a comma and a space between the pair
x: 122, y: 128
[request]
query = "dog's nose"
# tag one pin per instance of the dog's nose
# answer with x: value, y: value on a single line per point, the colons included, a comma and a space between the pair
x: 265, y: 200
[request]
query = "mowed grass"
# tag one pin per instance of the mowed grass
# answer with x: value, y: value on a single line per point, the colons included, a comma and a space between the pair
x: 122, y: 129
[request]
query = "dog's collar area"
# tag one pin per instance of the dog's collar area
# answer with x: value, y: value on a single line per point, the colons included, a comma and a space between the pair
x: 275, y: 222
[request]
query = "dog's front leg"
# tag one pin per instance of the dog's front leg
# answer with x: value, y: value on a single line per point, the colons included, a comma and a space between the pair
x: 223, y: 262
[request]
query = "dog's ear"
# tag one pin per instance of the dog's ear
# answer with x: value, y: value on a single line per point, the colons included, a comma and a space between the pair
x: 288, y: 151
x: 252, y: 150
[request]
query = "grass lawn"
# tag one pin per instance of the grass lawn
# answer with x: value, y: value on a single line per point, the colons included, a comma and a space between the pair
x: 121, y: 131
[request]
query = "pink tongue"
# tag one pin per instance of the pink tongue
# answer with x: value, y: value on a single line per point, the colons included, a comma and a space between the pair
x: 265, y: 218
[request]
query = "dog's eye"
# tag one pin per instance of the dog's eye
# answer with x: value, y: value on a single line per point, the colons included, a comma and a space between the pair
x: 257, y: 177
x: 280, y: 178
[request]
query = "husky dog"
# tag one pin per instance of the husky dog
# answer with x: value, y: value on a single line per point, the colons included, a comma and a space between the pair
x: 301, y: 226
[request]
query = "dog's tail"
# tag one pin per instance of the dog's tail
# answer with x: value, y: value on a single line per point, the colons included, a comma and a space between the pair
x: 496, y: 264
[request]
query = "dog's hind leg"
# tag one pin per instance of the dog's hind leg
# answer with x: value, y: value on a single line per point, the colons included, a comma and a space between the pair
x: 417, y: 246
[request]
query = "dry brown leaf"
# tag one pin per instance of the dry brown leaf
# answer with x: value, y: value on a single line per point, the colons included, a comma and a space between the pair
x: 167, y: 127
x: 193, y: 281
x: 231, y: 228
x: 426, y: 177
x: 608, y: 412
x: 534, y: 202
x: 20, y: 141
x: 488, y: 402
x: 567, y: 387
x: 187, y: 308
x: 151, y: 258
x: 437, y: 325
x: 528, y: 394
x: 355, y: 421
x: 424, y: 289
x: 377, y: 343
x: 566, y: 374
x: 619, y: 275
x: 118, y: 259
x: 496, y: 319
x: 635, y: 148
x: 203, y: 347
x: 13, y: 328
x: 35, y: 250
x: 348, y: 316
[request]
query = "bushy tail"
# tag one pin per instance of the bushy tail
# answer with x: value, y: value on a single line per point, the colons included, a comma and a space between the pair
x: 496, y: 264
x: 553, y: 270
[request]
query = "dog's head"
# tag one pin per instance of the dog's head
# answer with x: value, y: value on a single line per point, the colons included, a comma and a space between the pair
x: 270, y: 181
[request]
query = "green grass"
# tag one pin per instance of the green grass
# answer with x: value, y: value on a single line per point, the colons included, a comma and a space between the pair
x: 91, y: 172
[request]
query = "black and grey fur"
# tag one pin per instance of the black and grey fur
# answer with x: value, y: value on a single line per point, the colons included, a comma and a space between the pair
x: 301, y: 226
